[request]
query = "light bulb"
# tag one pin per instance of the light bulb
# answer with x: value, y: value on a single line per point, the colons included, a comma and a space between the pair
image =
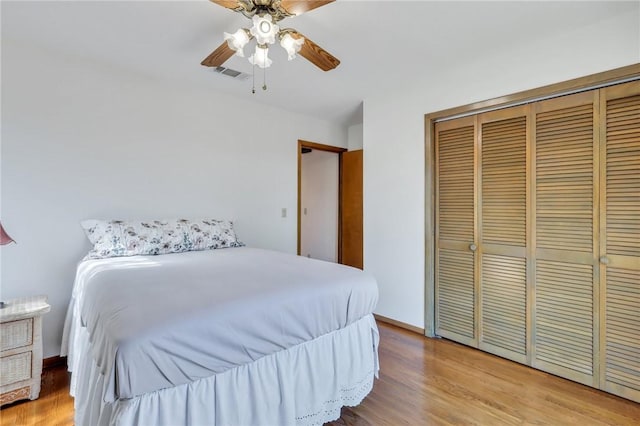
x: 291, y: 45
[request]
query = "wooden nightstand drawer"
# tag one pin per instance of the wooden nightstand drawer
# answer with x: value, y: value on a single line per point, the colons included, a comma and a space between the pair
x: 15, y: 334
x: 15, y: 368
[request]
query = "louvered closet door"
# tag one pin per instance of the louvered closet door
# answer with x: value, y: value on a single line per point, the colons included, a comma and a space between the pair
x: 455, y: 230
x: 620, y: 240
x: 502, y: 233
x: 566, y: 220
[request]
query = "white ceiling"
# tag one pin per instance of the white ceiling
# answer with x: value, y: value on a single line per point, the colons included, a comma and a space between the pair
x: 380, y: 43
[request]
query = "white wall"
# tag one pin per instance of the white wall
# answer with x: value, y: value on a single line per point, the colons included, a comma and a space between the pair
x: 319, y: 226
x: 82, y: 140
x: 394, y: 168
x: 355, y: 137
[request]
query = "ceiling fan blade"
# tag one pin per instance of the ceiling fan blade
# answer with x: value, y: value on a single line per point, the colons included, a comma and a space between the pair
x: 229, y: 4
x: 218, y: 56
x: 297, y: 7
x: 316, y: 54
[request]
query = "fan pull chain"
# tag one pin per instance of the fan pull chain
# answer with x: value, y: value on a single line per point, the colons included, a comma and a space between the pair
x: 264, y: 79
x: 253, y: 79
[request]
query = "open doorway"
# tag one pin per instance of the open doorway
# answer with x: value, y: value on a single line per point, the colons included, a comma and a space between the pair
x: 319, y: 206
x: 330, y: 203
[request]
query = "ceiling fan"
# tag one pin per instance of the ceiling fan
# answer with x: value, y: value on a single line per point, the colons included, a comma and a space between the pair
x: 265, y: 15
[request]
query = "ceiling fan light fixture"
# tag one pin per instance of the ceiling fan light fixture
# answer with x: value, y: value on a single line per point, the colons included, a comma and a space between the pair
x: 265, y: 16
x: 264, y: 29
x: 237, y: 41
x: 261, y: 57
x: 291, y: 45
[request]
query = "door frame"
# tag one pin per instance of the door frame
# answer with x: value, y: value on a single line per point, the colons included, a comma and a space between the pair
x: 326, y: 148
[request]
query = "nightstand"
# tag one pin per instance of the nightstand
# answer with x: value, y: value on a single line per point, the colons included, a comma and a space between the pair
x: 21, y: 348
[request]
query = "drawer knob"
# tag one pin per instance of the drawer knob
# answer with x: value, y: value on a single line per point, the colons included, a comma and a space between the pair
x: 473, y: 247
x: 604, y: 260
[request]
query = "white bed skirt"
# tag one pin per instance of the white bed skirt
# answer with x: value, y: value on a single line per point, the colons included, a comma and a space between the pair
x: 303, y: 385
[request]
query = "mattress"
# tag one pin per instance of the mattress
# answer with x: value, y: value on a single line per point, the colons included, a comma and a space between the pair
x: 156, y: 322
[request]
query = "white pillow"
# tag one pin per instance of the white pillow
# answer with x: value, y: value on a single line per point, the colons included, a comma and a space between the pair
x: 129, y: 238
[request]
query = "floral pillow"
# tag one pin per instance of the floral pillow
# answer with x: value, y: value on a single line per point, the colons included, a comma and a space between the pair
x: 129, y: 238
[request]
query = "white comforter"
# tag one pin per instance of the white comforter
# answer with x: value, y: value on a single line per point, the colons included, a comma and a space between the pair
x: 156, y: 322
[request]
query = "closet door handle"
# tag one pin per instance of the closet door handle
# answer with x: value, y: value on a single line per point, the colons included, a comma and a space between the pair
x: 473, y: 247
x: 604, y: 260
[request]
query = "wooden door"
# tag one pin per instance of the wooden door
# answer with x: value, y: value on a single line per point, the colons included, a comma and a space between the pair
x: 502, y: 231
x: 565, y: 312
x: 351, y: 217
x: 455, y: 271
x: 620, y: 239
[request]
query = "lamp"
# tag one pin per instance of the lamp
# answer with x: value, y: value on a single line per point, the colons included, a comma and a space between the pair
x: 4, y: 237
x: 4, y: 240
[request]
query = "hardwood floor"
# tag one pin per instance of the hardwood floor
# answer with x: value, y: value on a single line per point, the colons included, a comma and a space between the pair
x: 53, y: 408
x: 422, y: 382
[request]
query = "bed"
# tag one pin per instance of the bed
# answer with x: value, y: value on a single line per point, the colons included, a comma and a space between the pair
x: 232, y: 336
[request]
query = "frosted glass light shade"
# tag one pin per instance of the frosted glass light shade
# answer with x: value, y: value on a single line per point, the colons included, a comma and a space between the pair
x: 237, y: 41
x: 291, y: 45
x: 260, y: 57
x: 264, y: 30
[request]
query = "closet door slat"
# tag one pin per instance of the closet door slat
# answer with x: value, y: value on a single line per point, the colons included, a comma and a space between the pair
x: 503, y: 306
x: 456, y: 189
x: 623, y: 195
x: 564, y: 164
x: 504, y: 181
x: 456, y: 294
x: 564, y: 320
x: 622, y: 367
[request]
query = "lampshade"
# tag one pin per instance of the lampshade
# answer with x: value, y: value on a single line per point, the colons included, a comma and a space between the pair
x: 260, y: 57
x: 291, y: 45
x: 237, y: 41
x: 4, y: 237
x: 264, y: 30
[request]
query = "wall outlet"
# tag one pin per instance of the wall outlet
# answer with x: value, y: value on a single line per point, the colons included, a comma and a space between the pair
x: 284, y: 212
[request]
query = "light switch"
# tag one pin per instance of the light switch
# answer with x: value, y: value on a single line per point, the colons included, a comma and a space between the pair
x: 305, y: 211
x: 284, y: 212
